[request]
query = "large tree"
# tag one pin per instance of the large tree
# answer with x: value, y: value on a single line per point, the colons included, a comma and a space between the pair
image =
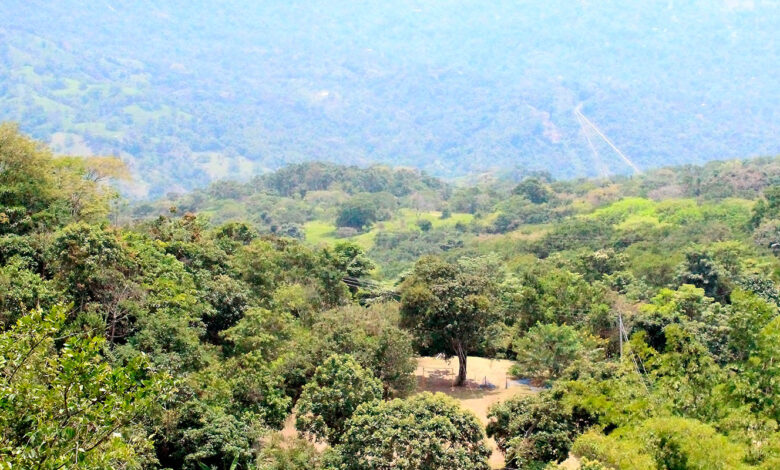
x: 449, y: 306
x: 358, y: 213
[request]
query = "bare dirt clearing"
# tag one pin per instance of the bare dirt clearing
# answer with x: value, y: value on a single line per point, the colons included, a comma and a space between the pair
x: 437, y: 375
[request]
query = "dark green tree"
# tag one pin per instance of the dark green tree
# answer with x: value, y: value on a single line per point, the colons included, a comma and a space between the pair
x: 357, y: 213
x: 700, y: 270
x: 534, y: 430
x: 534, y: 190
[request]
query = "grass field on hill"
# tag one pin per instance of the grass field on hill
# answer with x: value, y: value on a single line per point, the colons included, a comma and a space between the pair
x: 319, y: 231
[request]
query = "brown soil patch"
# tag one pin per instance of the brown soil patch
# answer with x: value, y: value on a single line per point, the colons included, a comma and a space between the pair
x: 437, y: 375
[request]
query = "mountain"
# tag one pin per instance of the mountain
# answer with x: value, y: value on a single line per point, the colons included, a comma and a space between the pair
x: 192, y: 91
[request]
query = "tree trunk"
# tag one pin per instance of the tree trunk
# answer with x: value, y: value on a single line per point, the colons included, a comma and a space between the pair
x: 461, y: 353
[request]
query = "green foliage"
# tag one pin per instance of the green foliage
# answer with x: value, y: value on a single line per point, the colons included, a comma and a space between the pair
x: 757, y: 384
x: 768, y: 207
x: 613, y: 452
x: 349, y: 258
x: 395, y: 252
x: 667, y: 442
x: 339, y: 386
x: 26, y: 182
x: 248, y: 321
x: 64, y: 404
x: 597, y: 264
x: 546, y: 350
x: 687, y: 303
x: 533, y: 190
x: 701, y: 271
x: 38, y: 191
x: 288, y: 454
x: 356, y: 215
x: 532, y: 430
x: 212, y: 438
x: 425, y: 225
x: 363, y: 209
x: 22, y: 290
x: 229, y: 298
x: 749, y: 315
x: 554, y: 296
x: 586, y: 464
x: 260, y: 331
x: 370, y: 335
x: 88, y: 261
x: 448, y: 306
x: 425, y: 432
x: 268, y: 264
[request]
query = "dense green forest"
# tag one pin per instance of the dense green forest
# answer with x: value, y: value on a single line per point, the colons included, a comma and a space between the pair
x: 185, y: 332
x: 191, y: 92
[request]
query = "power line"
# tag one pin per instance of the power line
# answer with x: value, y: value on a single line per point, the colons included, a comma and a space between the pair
x: 639, y: 365
x: 596, y: 157
x: 628, y: 161
x: 370, y: 286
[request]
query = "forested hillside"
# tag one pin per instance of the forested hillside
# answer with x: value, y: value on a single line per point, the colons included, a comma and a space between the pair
x: 645, y: 309
x: 397, y: 214
x: 190, y: 92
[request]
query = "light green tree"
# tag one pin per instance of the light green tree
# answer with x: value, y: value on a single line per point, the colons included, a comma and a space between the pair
x: 546, y: 350
x: 63, y: 405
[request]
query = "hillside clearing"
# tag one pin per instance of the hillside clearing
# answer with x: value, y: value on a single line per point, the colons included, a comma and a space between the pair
x: 437, y: 375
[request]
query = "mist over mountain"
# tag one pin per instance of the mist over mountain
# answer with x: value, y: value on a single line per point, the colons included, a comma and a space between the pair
x: 191, y: 91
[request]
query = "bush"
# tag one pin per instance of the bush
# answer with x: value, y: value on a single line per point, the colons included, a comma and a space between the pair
x: 668, y: 442
x: 425, y: 225
x: 425, y: 432
x: 339, y: 386
x: 535, y: 429
x: 547, y: 350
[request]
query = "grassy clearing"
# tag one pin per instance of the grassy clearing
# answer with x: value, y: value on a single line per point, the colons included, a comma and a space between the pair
x: 143, y: 116
x: 320, y: 231
x: 97, y: 129
x: 71, y: 88
x: 51, y: 106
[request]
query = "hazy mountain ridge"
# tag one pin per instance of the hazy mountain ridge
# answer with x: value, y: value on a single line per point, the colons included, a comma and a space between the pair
x: 188, y: 92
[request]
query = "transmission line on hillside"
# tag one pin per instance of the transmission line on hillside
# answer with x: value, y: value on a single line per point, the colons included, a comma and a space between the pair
x: 584, y: 119
x: 596, y: 157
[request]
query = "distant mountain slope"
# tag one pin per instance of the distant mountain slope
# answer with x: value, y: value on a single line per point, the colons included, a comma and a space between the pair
x: 190, y: 91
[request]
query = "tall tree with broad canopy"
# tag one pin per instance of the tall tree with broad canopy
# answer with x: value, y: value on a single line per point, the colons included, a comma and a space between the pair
x: 448, y: 305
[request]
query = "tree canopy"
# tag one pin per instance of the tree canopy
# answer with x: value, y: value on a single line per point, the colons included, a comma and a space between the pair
x: 448, y: 306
